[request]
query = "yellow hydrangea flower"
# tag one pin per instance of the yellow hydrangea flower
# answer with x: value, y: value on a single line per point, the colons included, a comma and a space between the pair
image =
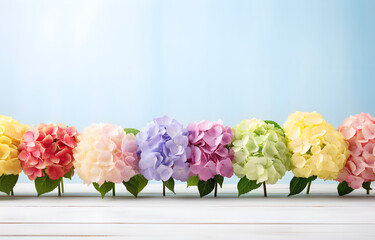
x: 11, y: 133
x: 318, y: 150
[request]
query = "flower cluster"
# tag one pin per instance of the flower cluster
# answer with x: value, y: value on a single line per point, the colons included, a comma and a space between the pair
x: 209, y: 153
x: 261, y: 151
x: 11, y: 132
x: 105, y: 153
x: 359, y: 131
x: 163, y: 147
x: 318, y: 150
x: 47, y: 149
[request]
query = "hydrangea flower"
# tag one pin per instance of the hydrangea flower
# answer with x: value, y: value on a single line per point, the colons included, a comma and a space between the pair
x: 105, y: 153
x: 318, y: 150
x: 209, y: 153
x: 163, y: 149
x: 48, y: 149
x: 359, y: 131
x: 261, y: 151
x: 11, y: 132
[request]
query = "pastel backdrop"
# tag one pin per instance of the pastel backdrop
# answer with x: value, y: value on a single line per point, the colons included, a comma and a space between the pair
x: 126, y: 62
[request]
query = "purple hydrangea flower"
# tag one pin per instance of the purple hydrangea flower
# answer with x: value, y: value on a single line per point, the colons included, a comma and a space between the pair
x: 163, y: 149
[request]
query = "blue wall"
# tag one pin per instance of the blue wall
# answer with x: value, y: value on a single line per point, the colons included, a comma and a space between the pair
x: 126, y: 62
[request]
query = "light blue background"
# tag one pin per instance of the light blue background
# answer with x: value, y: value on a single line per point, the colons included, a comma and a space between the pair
x: 126, y: 62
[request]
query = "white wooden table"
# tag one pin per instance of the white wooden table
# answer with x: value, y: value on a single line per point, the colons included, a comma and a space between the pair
x: 82, y: 214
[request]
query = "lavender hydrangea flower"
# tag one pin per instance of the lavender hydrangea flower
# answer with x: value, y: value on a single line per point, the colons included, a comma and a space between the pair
x: 163, y: 149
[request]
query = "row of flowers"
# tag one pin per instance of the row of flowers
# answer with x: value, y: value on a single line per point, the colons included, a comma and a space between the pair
x: 202, y: 154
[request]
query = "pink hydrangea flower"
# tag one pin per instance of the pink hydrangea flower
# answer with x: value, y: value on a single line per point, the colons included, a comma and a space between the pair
x: 359, y: 131
x: 209, y: 154
x: 47, y: 148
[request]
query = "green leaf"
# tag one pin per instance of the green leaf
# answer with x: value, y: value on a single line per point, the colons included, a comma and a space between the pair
x: 7, y: 183
x: 245, y: 185
x: 312, y: 178
x: 69, y: 174
x: 343, y: 188
x: 136, y: 184
x: 205, y: 187
x: 298, y: 184
x: 193, y: 181
x: 45, y: 184
x: 104, y: 188
x: 219, y: 179
x: 131, y: 130
x: 170, y: 184
x: 367, y: 186
x: 275, y: 124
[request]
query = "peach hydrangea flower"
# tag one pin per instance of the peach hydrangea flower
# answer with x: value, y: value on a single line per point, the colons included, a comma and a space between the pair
x: 106, y: 153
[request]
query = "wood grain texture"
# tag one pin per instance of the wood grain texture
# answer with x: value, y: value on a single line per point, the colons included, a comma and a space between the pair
x: 82, y: 214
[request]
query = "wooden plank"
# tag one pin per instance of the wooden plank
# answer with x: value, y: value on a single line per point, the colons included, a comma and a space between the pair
x: 228, y: 190
x: 81, y: 195
x: 82, y: 214
x: 187, y: 231
x: 192, y: 201
x: 188, y: 214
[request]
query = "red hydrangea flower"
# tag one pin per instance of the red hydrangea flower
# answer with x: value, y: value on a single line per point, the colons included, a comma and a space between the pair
x: 47, y: 149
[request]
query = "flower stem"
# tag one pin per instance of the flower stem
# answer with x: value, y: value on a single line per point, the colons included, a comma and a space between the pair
x: 264, y: 189
x: 215, y: 194
x: 59, y: 189
x: 114, y: 190
x: 367, y: 191
x: 308, y: 188
x: 12, y: 193
x: 62, y: 184
x: 163, y: 189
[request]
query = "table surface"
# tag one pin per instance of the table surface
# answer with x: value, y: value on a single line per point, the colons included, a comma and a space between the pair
x: 81, y: 214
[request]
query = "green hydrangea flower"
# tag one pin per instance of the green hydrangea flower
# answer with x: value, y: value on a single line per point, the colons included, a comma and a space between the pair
x: 261, y: 151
